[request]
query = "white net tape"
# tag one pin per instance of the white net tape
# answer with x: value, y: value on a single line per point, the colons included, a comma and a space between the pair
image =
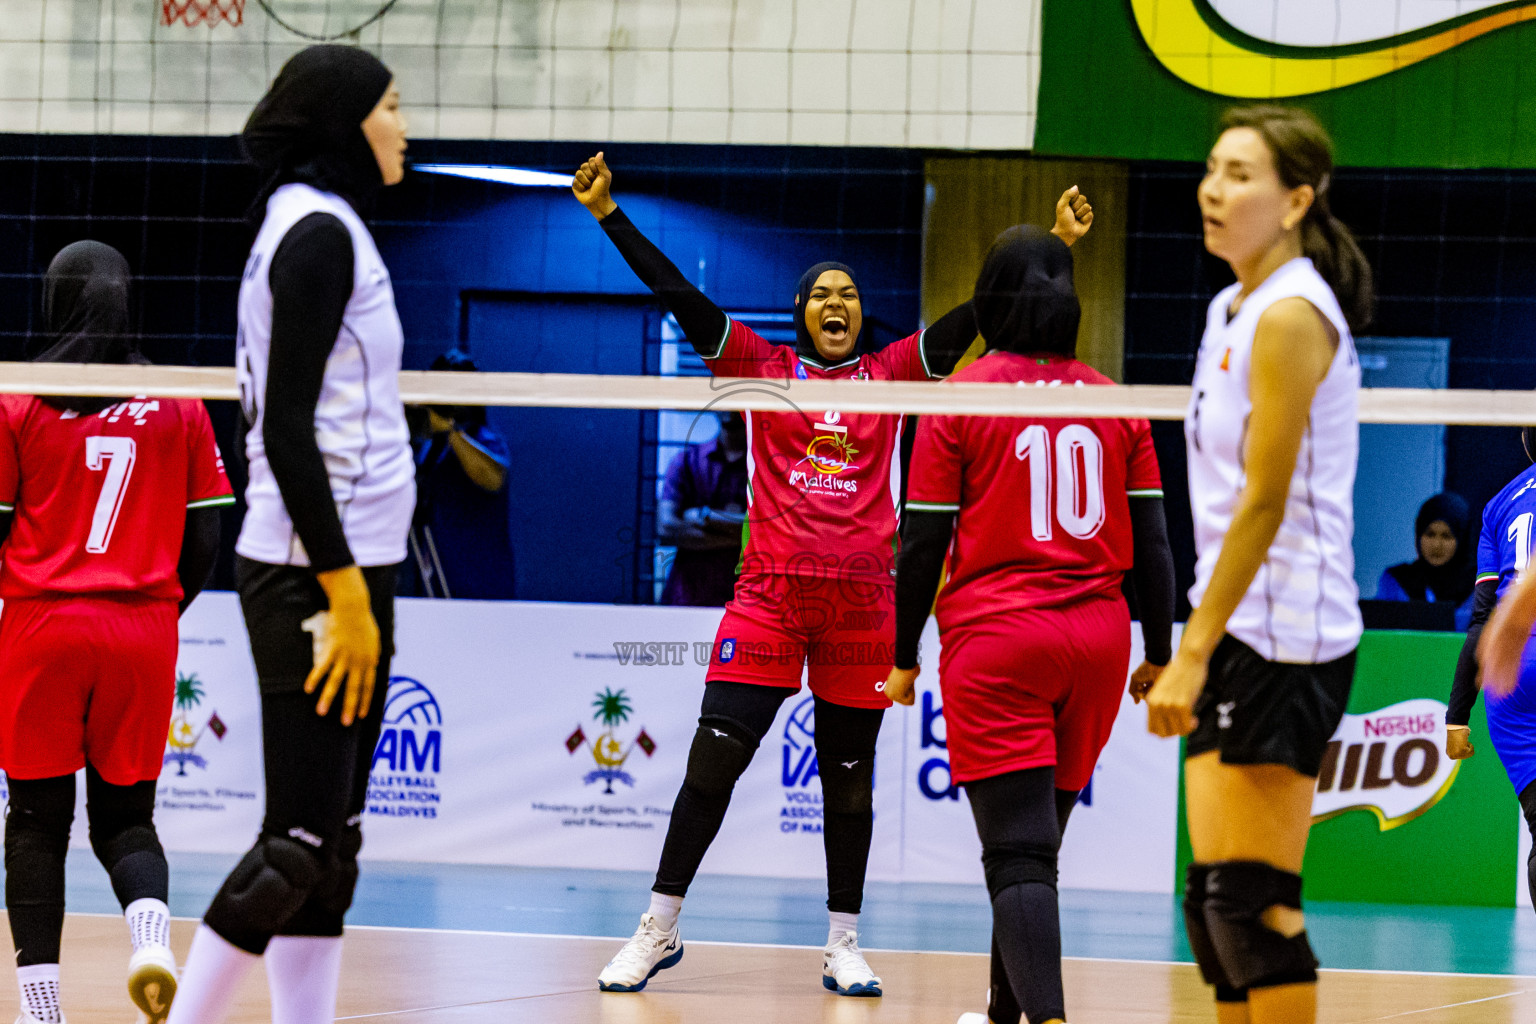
x: 595, y: 391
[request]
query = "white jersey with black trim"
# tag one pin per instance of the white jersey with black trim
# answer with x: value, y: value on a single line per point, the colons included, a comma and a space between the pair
x: 1302, y: 606
x: 359, y: 421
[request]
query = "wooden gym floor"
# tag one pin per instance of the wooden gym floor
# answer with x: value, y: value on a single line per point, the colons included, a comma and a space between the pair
x: 456, y: 977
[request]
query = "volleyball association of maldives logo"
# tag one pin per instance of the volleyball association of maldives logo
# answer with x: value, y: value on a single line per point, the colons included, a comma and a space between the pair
x: 411, y: 739
x: 181, y: 744
x: 1387, y: 762
x: 1258, y: 49
x: 609, y: 752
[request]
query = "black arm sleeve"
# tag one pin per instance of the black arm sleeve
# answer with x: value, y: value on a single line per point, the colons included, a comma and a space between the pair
x: 311, y: 278
x: 703, y: 323
x: 948, y: 338
x: 1152, y: 576
x: 1464, y: 687
x: 6, y: 519
x: 924, y: 540
x: 199, y: 547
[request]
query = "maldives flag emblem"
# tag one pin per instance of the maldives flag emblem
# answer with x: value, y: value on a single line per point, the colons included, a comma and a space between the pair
x: 645, y: 743
x: 575, y: 740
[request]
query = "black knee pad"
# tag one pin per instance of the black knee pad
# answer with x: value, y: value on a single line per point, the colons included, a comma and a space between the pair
x: 847, y: 783
x: 40, y: 810
x: 270, y: 883
x: 135, y: 839
x: 343, y: 881
x: 119, y: 812
x: 721, y: 751
x: 1199, y: 935
x: 1008, y: 864
x: 1252, y: 954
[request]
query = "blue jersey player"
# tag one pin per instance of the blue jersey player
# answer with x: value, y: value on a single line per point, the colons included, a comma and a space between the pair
x: 1503, y: 554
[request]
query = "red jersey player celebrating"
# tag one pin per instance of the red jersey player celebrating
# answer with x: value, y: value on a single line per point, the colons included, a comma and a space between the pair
x: 1035, y: 628
x: 110, y: 517
x: 823, y: 490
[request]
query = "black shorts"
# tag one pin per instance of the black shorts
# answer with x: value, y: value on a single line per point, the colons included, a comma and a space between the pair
x: 277, y: 599
x: 1269, y: 712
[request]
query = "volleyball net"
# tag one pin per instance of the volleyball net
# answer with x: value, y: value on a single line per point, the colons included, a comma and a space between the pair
x: 1460, y: 407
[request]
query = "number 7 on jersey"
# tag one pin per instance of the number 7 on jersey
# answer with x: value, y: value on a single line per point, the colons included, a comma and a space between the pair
x: 116, y: 456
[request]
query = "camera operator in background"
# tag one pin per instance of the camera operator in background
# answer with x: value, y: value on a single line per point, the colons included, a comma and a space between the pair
x: 459, y: 545
x: 703, y: 505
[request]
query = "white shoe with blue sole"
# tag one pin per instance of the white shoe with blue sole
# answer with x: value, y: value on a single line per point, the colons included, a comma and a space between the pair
x: 844, y: 970
x: 649, y: 951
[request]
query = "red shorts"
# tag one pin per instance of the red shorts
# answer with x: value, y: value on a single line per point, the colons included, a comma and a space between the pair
x: 1035, y: 687
x: 844, y: 629
x: 86, y: 678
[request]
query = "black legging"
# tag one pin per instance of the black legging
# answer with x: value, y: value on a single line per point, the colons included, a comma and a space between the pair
x: 317, y: 780
x: 38, y: 818
x: 1002, y: 1006
x: 316, y: 768
x: 1020, y: 817
x: 1528, y: 805
x: 845, y: 751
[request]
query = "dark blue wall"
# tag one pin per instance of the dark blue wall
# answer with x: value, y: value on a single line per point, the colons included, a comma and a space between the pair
x: 754, y: 216
x: 1454, y: 253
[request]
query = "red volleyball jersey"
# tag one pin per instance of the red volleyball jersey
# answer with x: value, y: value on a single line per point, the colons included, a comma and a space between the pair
x: 1044, y: 510
x: 822, y: 486
x: 100, y: 499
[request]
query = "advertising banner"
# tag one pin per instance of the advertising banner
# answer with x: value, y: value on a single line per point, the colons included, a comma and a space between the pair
x: 1394, y: 819
x: 1398, y: 85
x: 557, y: 735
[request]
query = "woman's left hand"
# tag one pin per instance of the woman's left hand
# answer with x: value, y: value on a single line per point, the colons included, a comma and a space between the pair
x: 901, y: 685
x: 1171, y: 702
x: 1143, y: 679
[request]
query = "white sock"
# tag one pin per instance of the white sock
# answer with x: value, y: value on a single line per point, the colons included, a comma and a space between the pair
x: 841, y: 924
x: 303, y: 974
x: 40, y: 991
x: 213, y: 973
x: 665, y: 910
x: 149, y: 923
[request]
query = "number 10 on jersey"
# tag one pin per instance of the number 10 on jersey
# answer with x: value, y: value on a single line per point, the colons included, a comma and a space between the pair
x: 1075, y: 475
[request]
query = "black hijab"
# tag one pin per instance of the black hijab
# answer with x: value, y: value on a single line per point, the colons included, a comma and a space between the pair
x: 1453, y: 581
x: 85, y: 314
x: 309, y: 125
x: 1025, y: 300
x: 804, y: 346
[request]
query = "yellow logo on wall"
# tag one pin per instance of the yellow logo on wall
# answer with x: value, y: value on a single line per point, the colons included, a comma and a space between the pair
x: 1258, y: 49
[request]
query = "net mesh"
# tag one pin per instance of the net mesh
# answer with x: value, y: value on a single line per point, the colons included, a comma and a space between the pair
x: 797, y: 72
x: 192, y: 13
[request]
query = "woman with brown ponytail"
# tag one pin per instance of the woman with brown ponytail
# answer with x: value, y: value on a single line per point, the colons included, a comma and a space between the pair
x: 1263, y: 671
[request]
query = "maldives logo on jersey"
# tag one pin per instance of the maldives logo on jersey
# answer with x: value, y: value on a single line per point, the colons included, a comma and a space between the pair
x: 1387, y: 762
x: 609, y: 753
x: 829, y: 454
x: 181, y: 744
x: 409, y: 756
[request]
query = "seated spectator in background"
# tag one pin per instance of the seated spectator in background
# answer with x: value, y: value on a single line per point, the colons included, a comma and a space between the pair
x: 1443, y: 572
x: 459, y: 546
x: 703, y: 505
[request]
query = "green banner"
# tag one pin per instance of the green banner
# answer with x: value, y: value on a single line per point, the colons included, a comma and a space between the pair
x: 1395, y: 821
x: 1148, y: 79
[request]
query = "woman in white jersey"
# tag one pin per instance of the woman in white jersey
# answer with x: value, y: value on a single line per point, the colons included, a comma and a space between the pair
x: 332, y: 488
x: 1262, y: 674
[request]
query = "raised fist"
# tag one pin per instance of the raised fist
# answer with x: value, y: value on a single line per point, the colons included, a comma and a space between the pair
x: 592, y: 185
x: 1074, y: 215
